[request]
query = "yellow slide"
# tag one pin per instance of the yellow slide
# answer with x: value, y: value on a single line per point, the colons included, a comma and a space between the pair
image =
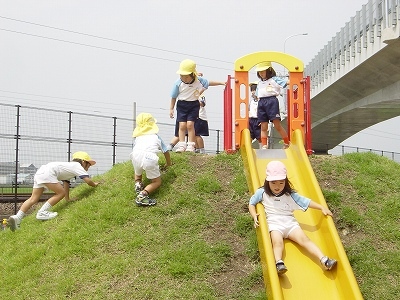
x: 305, y: 279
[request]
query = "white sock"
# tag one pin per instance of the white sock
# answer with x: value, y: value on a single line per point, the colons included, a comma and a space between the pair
x: 45, y: 207
x: 20, y: 214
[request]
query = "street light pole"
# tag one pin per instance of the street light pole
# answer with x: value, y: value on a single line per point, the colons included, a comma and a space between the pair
x: 284, y: 44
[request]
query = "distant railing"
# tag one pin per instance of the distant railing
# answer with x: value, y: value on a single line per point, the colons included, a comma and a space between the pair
x: 341, y: 150
x: 358, y: 34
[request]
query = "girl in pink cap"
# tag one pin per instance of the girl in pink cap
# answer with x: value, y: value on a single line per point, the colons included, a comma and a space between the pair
x: 280, y: 200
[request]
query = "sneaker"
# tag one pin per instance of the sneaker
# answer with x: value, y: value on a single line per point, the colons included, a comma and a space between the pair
x: 264, y: 147
x: 138, y: 187
x: 329, y: 263
x: 285, y: 146
x: 190, y: 147
x: 281, y: 268
x: 170, y: 147
x: 46, y: 215
x: 180, y: 147
x: 142, y: 200
x: 13, y: 222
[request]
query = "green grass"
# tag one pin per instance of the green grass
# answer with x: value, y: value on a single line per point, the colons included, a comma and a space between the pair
x: 198, y: 241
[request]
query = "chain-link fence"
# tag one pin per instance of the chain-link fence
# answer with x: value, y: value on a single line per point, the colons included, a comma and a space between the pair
x: 31, y: 137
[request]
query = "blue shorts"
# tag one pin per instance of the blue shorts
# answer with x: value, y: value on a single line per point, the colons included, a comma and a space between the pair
x: 268, y: 109
x: 201, y: 127
x: 255, y: 128
x: 187, y: 110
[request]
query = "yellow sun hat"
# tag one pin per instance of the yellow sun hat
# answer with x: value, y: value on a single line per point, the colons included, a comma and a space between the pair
x: 145, y: 124
x: 263, y: 66
x: 187, y: 67
x: 84, y: 156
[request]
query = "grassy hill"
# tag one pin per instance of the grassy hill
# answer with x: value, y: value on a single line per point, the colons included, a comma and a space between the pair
x: 198, y: 242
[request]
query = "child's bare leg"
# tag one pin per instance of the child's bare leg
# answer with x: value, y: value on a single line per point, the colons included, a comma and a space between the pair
x: 277, y: 244
x: 59, y: 191
x: 155, y: 184
x: 182, y: 131
x: 264, y: 133
x: 302, y: 239
x: 33, y: 199
x: 191, y: 133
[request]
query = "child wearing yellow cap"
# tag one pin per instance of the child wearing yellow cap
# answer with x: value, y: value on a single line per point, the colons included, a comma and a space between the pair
x: 144, y: 157
x: 48, y: 177
x: 185, y: 93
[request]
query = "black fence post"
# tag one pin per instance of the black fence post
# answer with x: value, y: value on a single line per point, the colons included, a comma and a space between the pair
x: 17, y: 137
x: 114, y: 143
x: 69, y: 140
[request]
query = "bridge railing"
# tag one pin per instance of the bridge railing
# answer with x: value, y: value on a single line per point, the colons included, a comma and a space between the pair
x: 360, y: 38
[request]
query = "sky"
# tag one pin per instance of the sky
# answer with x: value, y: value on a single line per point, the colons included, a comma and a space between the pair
x: 101, y: 57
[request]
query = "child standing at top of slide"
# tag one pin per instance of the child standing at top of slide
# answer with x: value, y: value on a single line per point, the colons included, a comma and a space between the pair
x: 268, y: 88
x: 185, y: 93
x: 280, y: 200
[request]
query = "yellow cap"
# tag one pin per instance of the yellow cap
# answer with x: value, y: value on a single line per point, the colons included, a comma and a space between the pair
x: 145, y: 124
x: 263, y: 66
x: 84, y: 156
x: 187, y: 67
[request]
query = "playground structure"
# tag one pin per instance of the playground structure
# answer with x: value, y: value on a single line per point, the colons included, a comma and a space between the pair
x: 298, y: 97
x: 305, y: 278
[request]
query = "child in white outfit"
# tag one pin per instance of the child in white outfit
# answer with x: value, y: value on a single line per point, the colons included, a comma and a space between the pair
x: 144, y: 157
x: 48, y: 177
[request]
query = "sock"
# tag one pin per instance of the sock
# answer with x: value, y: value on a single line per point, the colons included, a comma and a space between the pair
x: 323, y: 259
x: 20, y: 214
x: 264, y: 141
x: 45, y: 207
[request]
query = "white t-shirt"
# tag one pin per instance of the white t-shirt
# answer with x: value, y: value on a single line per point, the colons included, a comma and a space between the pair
x: 57, y: 171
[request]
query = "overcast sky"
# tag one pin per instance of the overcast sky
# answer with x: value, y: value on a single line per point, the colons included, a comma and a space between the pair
x: 102, y: 56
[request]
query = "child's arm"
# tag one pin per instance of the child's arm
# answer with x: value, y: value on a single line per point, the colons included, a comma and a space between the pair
x: 254, y: 215
x: 214, y: 83
x: 171, y: 108
x: 90, y: 182
x: 167, y: 158
x: 324, y: 210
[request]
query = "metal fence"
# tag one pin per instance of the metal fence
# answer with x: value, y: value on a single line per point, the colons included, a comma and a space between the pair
x: 35, y: 136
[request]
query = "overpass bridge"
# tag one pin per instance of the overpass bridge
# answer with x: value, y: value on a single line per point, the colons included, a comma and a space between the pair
x: 355, y: 78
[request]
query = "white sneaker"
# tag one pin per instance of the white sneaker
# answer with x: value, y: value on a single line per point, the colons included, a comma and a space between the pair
x: 180, y: 147
x: 190, y: 147
x: 46, y: 215
x: 14, y: 222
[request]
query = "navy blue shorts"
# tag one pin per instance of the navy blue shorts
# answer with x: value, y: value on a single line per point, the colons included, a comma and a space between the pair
x: 255, y: 128
x: 187, y: 110
x: 268, y: 109
x: 201, y: 127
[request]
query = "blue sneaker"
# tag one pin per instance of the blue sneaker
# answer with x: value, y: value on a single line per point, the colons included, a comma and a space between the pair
x: 142, y: 200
